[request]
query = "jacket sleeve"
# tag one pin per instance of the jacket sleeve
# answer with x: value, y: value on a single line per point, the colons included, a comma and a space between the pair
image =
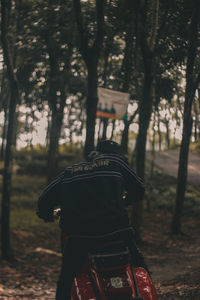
x: 133, y: 184
x: 50, y: 198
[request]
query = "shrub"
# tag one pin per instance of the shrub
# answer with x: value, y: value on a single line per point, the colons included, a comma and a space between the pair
x: 32, y: 167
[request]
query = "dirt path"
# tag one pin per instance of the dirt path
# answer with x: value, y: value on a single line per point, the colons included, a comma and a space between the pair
x: 173, y: 261
x: 176, y: 263
x: 168, y: 162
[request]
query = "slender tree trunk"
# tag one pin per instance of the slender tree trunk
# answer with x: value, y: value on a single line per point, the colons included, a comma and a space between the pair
x: 125, y: 133
x: 91, y: 107
x: 99, y: 129
x: 91, y: 56
x: 54, y: 136
x: 113, y: 128
x: 159, y: 133
x: 191, y: 86
x: 127, y: 70
x: 196, y: 121
x: 7, y: 173
x: 153, y: 152
x: 167, y: 135
x: 56, y: 84
x: 124, y: 139
x: 48, y: 128
x: 105, y: 126
x: 5, y: 125
x: 145, y: 108
x: 147, y: 38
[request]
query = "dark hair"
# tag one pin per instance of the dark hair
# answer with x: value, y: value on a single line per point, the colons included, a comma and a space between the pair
x: 109, y: 146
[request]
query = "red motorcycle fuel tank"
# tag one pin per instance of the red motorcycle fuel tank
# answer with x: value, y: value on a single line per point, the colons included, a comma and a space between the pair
x: 113, y: 283
x: 145, y: 285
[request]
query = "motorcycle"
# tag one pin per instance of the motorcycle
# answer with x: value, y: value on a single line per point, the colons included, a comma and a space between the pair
x: 109, y: 272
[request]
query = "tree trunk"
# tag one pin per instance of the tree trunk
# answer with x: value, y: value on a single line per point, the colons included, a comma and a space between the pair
x: 54, y: 136
x: 56, y: 84
x: 147, y: 38
x: 159, y: 133
x: 91, y: 56
x: 105, y: 126
x: 113, y: 128
x: 167, y: 135
x: 191, y: 86
x: 124, y: 139
x: 127, y: 70
x: 196, y: 121
x: 145, y: 108
x: 91, y: 107
x: 7, y: 172
x: 47, y: 139
x: 5, y: 125
x: 153, y: 152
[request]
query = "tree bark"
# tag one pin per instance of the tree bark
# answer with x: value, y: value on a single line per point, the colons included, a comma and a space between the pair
x: 167, y: 135
x: 127, y: 70
x: 91, y: 55
x: 56, y: 84
x: 5, y: 125
x: 105, y: 126
x: 191, y: 86
x: 145, y: 109
x: 147, y: 44
x: 113, y: 128
x: 159, y: 131
x: 7, y: 172
x: 124, y: 139
x: 54, y: 136
x: 91, y: 107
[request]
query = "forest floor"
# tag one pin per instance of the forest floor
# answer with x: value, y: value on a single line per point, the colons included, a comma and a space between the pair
x: 173, y: 260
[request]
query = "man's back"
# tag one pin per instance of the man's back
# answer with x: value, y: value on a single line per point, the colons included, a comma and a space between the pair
x: 92, y: 193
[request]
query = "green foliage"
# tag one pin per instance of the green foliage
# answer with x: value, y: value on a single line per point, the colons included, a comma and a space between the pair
x: 195, y: 147
x: 25, y: 193
x: 23, y: 185
x: 37, y: 152
x: 32, y: 167
x: 161, y: 193
x: 33, y: 161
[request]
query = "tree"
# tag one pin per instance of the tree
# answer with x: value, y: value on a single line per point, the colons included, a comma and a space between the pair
x: 147, y: 14
x: 52, y: 31
x: 192, y: 82
x: 14, y: 96
x: 126, y: 69
x: 58, y: 80
x: 90, y: 50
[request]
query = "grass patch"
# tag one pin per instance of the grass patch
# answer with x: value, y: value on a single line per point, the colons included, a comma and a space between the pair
x: 28, y: 185
x: 160, y: 194
x: 26, y: 219
x: 195, y: 147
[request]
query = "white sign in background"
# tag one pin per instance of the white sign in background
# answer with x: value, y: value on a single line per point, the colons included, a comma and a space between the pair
x: 112, y: 104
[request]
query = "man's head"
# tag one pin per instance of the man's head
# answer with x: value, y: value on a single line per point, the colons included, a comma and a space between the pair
x: 108, y: 146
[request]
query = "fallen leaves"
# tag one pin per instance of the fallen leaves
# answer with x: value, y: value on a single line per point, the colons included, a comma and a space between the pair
x: 174, y: 261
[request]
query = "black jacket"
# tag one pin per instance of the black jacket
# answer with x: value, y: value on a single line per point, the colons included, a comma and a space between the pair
x: 90, y: 195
